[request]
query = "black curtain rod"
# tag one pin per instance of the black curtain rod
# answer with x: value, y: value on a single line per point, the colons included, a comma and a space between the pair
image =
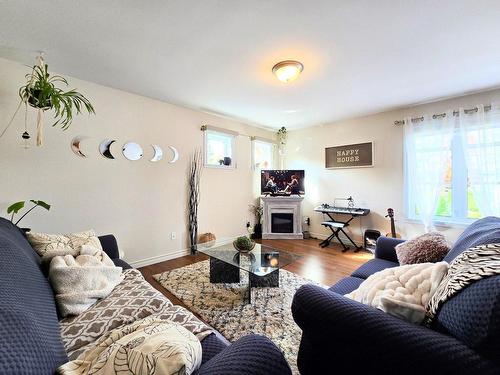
x: 441, y: 115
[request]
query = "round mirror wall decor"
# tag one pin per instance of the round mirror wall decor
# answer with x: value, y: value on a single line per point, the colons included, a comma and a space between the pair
x: 132, y: 151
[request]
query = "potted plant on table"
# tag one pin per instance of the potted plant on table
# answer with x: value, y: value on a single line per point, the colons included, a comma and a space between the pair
x: 243, y: 244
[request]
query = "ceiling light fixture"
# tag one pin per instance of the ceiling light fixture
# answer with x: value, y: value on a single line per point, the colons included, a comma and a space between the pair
x: 288, y: 70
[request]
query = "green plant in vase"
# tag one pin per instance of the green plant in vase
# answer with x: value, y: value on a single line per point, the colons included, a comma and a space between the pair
x: 14, y: 209
x: 257, y: 210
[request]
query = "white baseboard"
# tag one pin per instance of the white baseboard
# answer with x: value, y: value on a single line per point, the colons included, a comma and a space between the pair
x: 174, y: 254
x: 160, y: 258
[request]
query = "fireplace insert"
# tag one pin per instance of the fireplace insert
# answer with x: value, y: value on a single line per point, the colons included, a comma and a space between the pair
x: 281, y: 223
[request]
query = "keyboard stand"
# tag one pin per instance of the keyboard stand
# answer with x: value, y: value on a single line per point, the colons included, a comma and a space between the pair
x: 336, y: 227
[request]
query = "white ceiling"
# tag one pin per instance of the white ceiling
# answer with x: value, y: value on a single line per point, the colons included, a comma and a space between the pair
x: 360, y: 57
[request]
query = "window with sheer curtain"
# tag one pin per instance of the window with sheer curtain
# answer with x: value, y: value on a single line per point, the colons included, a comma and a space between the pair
x: 263, y: 154
x: 452, y: 166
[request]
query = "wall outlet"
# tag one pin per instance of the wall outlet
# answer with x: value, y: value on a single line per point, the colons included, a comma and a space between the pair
x: 173, y: 236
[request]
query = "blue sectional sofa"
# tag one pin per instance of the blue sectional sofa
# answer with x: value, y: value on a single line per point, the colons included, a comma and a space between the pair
x: 30, y: 341
x: 343, y: 336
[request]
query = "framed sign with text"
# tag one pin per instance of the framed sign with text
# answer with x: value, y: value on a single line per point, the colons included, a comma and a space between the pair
x: 349, y: 156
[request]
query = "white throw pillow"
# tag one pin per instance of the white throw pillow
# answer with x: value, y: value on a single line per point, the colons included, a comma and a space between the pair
x: 402, y: 291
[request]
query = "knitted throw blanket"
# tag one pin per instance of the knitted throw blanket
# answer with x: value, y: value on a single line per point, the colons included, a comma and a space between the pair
x: 78, y: 282
x: 472, y: 265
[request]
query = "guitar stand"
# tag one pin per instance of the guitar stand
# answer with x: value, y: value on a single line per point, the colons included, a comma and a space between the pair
x: 336, y: 227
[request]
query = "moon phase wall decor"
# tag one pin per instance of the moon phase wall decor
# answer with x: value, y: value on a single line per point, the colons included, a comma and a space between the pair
x: 176, y: 154
x: 76, y: 146
x: 132, y: 151
x: 157, y: 153
x: 105, y: 148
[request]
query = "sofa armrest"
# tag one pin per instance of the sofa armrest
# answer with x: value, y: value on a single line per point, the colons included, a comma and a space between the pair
x: 386, y: 248
x: 338, y: 331
x: 110, y: 246
x: 250, y: 355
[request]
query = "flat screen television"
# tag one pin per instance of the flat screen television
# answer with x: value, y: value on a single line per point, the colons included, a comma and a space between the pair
x: 282, y: 182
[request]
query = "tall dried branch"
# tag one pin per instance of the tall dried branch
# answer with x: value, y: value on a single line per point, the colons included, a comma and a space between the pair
x: 194, y: 177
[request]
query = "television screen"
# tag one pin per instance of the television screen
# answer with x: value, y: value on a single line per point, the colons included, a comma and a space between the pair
x: 282, y: 182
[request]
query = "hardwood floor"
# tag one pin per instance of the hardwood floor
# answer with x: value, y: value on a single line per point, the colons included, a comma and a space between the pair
x: 325, y: 266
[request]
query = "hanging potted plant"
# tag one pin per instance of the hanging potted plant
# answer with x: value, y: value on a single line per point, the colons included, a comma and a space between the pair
x: 41, y: 92
x: 282, y: 136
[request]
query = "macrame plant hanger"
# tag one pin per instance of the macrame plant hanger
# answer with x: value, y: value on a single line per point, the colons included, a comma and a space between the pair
x: 26, y: 136
x: 39, y: 117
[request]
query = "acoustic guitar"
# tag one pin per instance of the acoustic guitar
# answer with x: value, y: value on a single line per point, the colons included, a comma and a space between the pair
x: 390, y: 215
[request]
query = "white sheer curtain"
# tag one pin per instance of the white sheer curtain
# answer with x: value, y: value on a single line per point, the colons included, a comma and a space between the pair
x: 480, y: 134
x: 427, y: 144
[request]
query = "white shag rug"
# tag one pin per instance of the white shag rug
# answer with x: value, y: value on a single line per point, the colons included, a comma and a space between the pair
x: 225, y: 308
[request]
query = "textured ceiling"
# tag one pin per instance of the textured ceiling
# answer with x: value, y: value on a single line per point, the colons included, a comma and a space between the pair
x: 360, y: 57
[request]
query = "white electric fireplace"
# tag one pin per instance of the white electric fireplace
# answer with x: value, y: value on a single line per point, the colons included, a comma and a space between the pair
x: 282, y: 217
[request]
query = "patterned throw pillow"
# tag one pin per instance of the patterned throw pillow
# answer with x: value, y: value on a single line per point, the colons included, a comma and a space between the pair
x: 62, y: 244
x: 148, y: 346
x: 429, y: 247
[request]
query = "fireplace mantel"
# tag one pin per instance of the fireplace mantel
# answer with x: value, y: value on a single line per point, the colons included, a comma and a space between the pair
x: 282, y: 205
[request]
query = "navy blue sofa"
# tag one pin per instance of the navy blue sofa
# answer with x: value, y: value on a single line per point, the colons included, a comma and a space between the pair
x: 30, y: 342
x: 343, y: 336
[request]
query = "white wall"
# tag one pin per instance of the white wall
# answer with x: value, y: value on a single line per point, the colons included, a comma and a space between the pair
x: 140, y: 202
x: 377, y: 188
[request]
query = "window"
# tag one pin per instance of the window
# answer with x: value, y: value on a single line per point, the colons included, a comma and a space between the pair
x: 219, y: 149
x: 263, y: 154
x: 467, y: 148
x: 455, y: 202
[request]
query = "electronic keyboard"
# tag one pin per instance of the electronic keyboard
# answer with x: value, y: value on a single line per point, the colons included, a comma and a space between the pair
x: 355, y: 211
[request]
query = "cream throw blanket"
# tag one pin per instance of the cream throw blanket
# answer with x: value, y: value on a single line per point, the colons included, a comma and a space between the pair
x: 149, y: 346
x: 80, y: 281
x: 402, y: 291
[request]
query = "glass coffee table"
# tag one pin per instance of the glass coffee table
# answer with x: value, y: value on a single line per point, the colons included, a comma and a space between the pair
x: 262, y: 263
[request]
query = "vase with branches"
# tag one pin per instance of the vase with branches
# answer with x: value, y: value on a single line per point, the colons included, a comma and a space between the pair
x: 194, y: 177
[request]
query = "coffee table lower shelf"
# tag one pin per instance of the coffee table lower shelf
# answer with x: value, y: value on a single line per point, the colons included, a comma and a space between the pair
x: 222, y: 272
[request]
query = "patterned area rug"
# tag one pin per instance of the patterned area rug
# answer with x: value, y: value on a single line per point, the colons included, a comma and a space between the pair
x: 223, y: 306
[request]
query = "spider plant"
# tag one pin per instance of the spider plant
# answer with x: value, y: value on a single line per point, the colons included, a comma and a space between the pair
x: 41, y: 92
